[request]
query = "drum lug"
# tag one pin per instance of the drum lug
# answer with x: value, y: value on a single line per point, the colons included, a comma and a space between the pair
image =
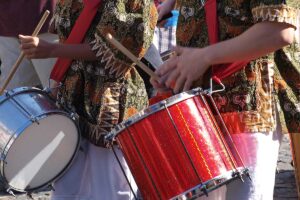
x: 74, y: 116
x: 248, y: 174
x: 9, y: 191
x: 7, y: 94
x: 163, y: 102
x: 47, y: 90
x: 35, y: 120
x: 204, y: 190
x: 197, y: 91
x: 2, y: 158
x: 51, y: 187
x: 240, y: 177
x: 128, y: 123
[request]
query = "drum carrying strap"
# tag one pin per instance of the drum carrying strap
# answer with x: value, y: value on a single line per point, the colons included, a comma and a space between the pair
x: 220, y: 71
x: 76, y: 36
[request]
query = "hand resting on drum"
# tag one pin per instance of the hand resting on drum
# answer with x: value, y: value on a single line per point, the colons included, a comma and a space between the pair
x: 181, y: 71
x: 191, y: 63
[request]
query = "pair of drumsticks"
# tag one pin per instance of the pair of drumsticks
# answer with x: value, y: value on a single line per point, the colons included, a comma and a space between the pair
x: 109, y: 37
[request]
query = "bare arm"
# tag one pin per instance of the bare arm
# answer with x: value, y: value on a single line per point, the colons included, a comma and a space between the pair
x: 257, y: 41
x: 191, y: 63
x: 34, y: 47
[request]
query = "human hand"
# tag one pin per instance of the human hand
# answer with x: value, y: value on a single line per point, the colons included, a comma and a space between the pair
x: 181, y: 71
x: 164, y: 9
x: 159, y: 87
x: 33, y: 47
x: 53, y: 90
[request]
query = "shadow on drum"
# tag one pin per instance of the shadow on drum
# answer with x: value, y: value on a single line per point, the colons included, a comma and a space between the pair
x: 176, y: 150
x: 38, y: 140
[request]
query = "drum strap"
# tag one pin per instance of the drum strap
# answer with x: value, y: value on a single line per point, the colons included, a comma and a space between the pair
x: 76, y: 36
x: 220, y: 71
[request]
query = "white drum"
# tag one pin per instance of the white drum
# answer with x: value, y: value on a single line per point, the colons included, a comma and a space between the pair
x: 38, y: 140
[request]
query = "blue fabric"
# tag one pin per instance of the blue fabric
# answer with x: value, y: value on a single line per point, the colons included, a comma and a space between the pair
x: 172, y: 21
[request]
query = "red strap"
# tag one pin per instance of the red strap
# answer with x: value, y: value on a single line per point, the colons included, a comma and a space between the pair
x: 76, y: 36
x: 211, y: 21
x: 223, y: 70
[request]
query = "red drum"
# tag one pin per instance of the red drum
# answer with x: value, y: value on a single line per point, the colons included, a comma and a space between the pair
x: 175, y: 150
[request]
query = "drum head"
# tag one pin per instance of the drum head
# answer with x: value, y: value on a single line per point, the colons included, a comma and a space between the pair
x: 41, y: 153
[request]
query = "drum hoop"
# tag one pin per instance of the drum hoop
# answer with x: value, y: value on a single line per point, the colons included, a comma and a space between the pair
x: 15, y: 136
x: 8, y: 94
x: 213, y: 183
x: 153, y: 109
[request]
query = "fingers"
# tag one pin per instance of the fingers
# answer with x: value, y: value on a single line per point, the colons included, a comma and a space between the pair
x: 29, y: 53
x: 25, y: 39
x: 156, y: 84
x: 171, y: 80
x: 187, y: 85
x: 180, y: 82
x: 25, y: 46
x: 174, y: 73
x: 28, y: 46
x: 169, y: 65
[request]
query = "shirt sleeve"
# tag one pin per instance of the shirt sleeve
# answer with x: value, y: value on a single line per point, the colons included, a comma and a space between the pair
x: 283, y: 11
x: 131, y: 22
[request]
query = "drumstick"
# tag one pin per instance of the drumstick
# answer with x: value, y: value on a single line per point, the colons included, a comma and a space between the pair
x: 21, y: 56
x: 132, y: 57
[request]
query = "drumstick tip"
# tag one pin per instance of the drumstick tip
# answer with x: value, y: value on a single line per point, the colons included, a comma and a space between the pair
x: 109, y: 36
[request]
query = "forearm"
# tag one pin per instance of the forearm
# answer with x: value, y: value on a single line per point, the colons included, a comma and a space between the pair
x: 259, y: 40
x: 72, y: 51
x: 171, y: 3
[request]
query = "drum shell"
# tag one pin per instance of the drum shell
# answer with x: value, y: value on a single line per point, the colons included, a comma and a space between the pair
x: 20, y: 108
x: 174, y: 148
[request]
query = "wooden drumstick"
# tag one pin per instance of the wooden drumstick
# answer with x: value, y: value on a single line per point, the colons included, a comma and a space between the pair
x: 132, y: 57
x: 21, y: 56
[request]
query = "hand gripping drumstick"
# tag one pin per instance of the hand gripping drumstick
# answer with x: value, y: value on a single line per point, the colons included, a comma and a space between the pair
x: 132, y: 57
x: 21, y: 56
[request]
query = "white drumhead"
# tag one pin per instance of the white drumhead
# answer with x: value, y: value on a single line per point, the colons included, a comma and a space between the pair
x: 41, y: 152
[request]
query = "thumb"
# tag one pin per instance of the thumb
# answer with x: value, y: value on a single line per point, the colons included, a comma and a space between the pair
x: 21, y: 37
x: 24, y: 38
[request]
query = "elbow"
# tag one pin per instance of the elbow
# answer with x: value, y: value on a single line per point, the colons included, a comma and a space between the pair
x: 287, y: 36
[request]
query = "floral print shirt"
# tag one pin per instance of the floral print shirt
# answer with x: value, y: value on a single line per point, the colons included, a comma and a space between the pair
x: 248, y: 102
x: 106, y: 91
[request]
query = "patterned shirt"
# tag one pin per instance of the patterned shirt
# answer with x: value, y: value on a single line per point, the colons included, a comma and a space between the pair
x: 106, y: 91
x: 248, y: 102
